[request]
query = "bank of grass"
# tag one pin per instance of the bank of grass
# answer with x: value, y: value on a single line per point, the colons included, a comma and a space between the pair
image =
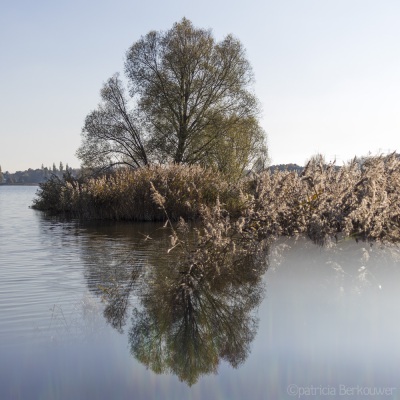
x: 360, y: 199
x: 126, y: 194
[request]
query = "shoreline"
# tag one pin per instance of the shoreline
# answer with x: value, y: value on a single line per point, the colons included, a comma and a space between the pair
x: 19, y: 184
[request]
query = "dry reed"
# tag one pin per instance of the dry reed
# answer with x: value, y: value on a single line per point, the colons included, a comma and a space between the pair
x: 360, y: 199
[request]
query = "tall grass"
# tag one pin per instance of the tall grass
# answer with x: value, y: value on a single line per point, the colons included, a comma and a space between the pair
x: 127, y: 195
x: 360, y: 199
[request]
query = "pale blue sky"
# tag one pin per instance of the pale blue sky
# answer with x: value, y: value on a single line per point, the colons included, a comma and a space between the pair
x: 327, y: 71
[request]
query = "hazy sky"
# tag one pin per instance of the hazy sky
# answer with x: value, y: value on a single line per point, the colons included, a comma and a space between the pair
x: 327, y: 71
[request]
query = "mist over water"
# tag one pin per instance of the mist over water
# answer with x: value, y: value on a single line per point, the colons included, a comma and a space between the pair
x: 78, y: 304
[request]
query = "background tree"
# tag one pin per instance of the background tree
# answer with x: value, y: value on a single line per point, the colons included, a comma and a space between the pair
x: 191, y: 97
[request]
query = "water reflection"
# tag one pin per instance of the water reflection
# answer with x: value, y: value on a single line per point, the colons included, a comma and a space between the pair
x: 334, y: 318
x: 116, y: 258
x: 111, y: 272
x: 329, y: 317
x: 185, y: 319
x: 186, y: 324
x: 332, y: 303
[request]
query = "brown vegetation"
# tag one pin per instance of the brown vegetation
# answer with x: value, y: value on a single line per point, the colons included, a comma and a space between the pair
x: 126, y: 194
x: 360, y: 199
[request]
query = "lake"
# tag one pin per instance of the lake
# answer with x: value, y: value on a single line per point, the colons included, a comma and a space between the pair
x: 90, y: 311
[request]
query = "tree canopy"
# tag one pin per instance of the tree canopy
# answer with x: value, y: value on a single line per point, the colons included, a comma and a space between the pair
x: 190, y: 100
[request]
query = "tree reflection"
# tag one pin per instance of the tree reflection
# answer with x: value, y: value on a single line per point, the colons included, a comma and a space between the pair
x: 189, y: 312
x: 116, y: 298
x: 112, y: 271
x: 190, y: 319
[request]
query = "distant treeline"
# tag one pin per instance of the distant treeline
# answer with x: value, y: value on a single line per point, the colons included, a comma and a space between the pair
x: 286, y: 167
x: 36, y: 176
x: 40, y: 175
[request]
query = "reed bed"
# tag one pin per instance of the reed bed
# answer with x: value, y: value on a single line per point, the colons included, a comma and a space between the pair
x: 126, y: 194
x: 360, y: 199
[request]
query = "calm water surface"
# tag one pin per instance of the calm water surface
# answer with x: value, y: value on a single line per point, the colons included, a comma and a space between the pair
x: 82, y: 317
